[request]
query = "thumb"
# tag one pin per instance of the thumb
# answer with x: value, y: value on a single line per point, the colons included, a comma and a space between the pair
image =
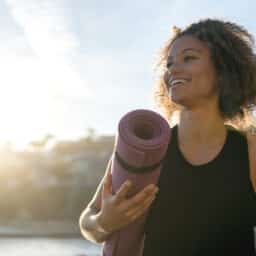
x: 107, y: 186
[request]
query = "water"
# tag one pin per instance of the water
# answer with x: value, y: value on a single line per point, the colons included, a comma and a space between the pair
x: 48, y: 247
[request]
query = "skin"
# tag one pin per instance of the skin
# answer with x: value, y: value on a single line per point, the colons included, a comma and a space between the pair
x: 201, y: 135
x: 201, y: 129
x: 251, y: 138
x: 113, y: 211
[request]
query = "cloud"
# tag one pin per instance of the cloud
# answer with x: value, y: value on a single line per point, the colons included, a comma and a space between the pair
x: 39, y: 80
x: 47, y: 27
x: 92, y: 61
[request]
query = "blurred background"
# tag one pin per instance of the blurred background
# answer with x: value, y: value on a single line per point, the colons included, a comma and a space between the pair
x: 69, y: 70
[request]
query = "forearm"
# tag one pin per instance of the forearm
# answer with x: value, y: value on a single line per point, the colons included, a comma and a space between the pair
x: 89, y: 226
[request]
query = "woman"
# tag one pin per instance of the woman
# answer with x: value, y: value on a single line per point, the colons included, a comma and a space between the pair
x: 206, y: 203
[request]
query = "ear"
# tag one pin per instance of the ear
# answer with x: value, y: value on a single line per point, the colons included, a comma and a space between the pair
x: 251, y: 141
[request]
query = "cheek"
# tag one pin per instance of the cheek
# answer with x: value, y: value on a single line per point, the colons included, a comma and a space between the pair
x: 204, y: 75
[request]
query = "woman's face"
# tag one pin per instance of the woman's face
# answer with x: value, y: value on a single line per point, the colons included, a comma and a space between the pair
x: 190, y: 77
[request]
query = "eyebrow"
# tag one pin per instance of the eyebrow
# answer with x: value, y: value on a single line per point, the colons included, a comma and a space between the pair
x: 187, y: 49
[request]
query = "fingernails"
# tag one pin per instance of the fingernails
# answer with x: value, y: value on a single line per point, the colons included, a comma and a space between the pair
x: 152, y: 199
x: 128, y: 183
x: 151, y: 186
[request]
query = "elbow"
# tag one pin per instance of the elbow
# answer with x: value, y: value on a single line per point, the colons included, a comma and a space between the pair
x: 80, y: 224
x: 82, y: 227
x: 87, y: 234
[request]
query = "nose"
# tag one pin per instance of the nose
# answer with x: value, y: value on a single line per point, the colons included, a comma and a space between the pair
x: 175, y: 68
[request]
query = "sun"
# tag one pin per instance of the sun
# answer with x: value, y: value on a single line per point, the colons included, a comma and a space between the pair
x: 24, y: 101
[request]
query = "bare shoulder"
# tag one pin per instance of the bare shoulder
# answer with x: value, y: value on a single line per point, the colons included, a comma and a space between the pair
x: 251, y: 141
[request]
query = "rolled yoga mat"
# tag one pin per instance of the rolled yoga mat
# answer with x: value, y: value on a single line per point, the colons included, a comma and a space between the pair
x: 140, y: 146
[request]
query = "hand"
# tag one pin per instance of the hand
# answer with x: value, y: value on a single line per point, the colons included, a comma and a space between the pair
x: 117, y: 211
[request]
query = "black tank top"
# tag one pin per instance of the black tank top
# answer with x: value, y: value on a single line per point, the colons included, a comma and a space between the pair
x: 207, y: 209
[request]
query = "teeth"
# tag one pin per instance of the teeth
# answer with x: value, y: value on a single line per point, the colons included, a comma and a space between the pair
x: 176, y: 81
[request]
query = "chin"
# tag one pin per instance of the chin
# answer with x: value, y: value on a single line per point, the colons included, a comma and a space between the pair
x: 178, y: 100
x: 181, y: 102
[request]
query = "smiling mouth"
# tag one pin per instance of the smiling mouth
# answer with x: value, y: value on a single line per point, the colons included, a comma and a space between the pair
x: 177, y: 82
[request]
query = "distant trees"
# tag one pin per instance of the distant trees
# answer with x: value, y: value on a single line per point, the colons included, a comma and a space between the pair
x: 56, y: 183
x: 41, y: 144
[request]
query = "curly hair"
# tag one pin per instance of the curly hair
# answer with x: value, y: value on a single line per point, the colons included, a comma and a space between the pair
x: 231, y: 48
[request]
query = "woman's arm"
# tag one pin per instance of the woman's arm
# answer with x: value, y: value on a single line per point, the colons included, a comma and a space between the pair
x: 108, y: 212
x: 90, y: 226
x: 89, y: 220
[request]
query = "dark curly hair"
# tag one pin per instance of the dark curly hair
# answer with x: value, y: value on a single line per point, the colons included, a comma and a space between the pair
x: 231, y: 47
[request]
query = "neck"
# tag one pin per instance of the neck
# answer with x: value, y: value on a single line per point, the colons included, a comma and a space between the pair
x: 201, y: 126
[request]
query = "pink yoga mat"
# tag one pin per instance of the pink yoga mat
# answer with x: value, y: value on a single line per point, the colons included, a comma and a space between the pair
x: 141, y: 144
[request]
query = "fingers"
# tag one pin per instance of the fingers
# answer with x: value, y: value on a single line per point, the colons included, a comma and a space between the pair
x: 123, y: 190
x: 140, y: 209
x: 140, y: 197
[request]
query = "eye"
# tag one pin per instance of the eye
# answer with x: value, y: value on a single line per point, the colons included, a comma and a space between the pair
x: 186, y: 59
x: 189, y: 57
x: 168, y: 64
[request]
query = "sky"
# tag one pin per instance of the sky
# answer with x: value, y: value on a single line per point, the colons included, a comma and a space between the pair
x: 66, y: 66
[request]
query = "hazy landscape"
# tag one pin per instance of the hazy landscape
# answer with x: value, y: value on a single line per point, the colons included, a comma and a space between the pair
x: 45, y: 187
